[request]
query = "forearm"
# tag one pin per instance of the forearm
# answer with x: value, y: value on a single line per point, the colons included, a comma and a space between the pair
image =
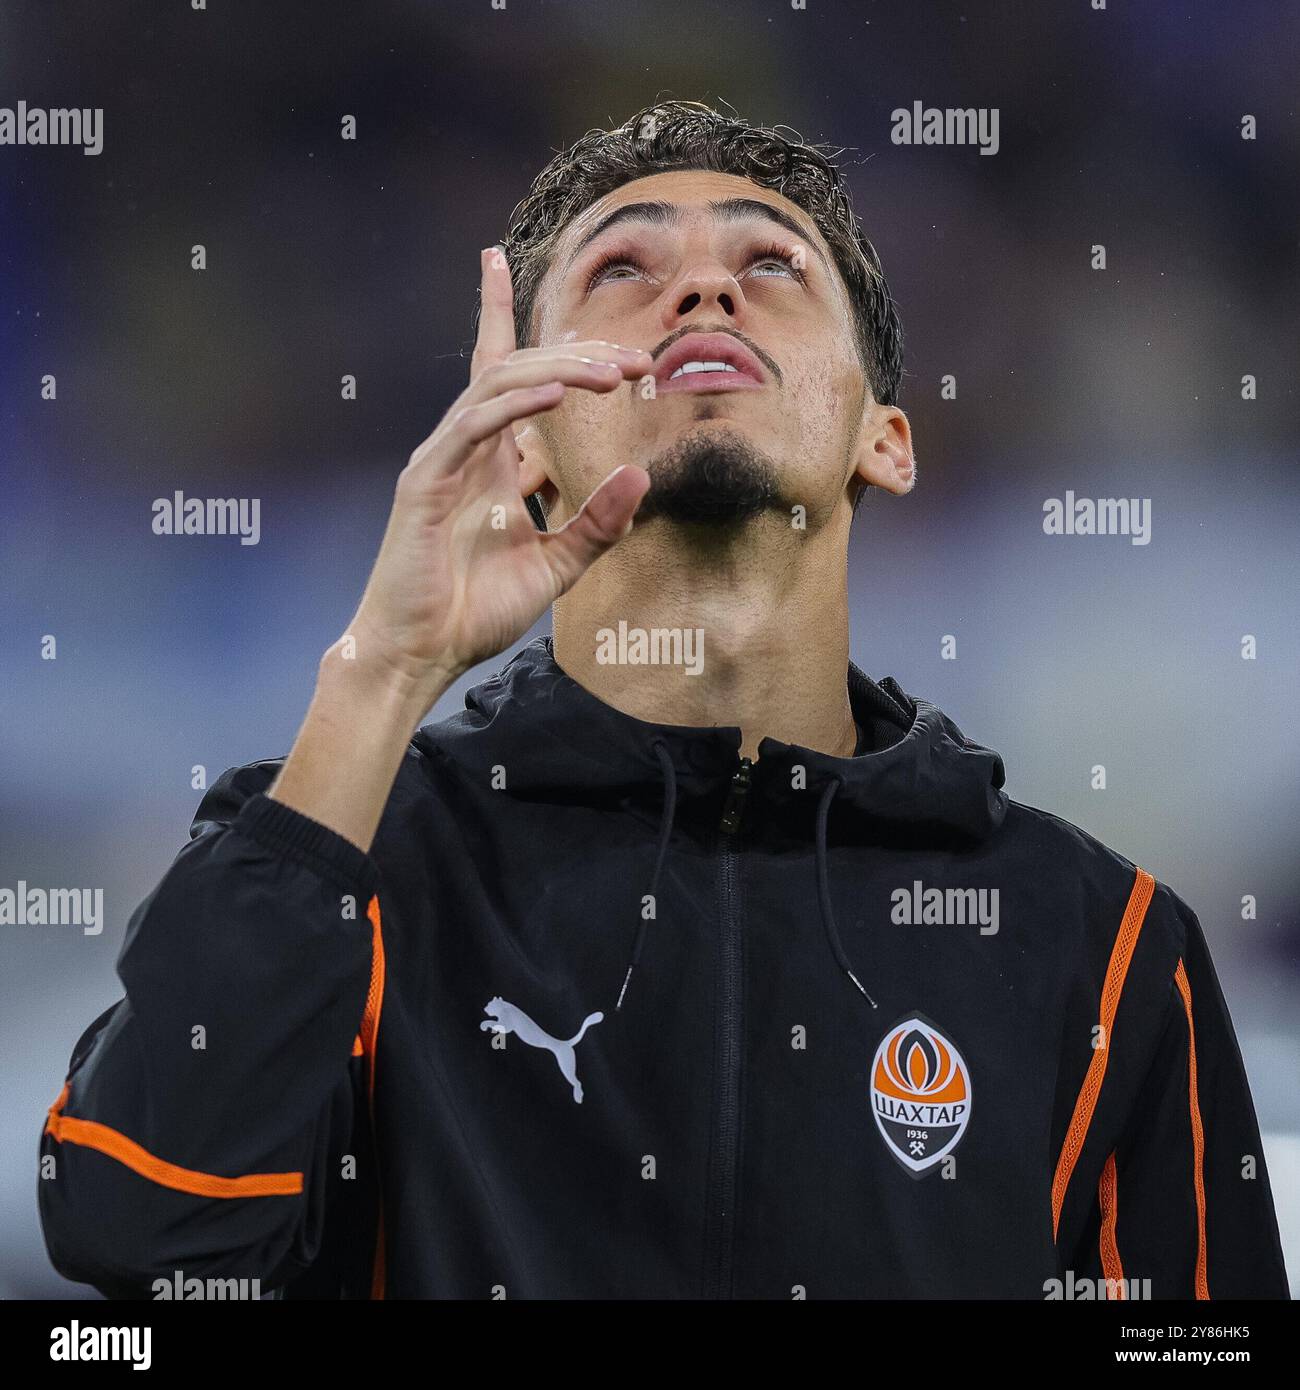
x: 341, y: 768
x: 225, y: 1070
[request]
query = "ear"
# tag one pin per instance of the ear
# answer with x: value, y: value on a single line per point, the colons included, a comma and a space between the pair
x: 883, y: 457
x: 534, y: 464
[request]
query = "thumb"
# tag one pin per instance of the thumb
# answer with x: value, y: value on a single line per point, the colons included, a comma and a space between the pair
x: 602, y: 521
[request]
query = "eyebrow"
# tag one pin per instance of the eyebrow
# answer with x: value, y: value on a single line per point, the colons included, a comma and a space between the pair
x: 661, y: 214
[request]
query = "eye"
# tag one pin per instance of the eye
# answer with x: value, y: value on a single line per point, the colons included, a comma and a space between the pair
x: 776, y: 261
x: 771, y: 262
x: 615, y: 265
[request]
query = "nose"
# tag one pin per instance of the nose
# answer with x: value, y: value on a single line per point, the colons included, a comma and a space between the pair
x: 706, y: 290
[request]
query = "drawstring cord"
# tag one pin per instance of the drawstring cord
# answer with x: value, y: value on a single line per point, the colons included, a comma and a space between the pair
x: 665, y: 832
x: 824, y: 890
x: 823, y: 880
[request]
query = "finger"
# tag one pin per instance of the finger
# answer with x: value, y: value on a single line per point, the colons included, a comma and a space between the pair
x: 496, y: 323
x: 458, y: 434
x: 604, y: 519
x: 596, y: 348
x: 478, y: 423
x: 571, y: 368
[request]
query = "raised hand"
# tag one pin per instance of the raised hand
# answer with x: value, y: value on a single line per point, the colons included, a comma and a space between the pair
x: 462, y: 570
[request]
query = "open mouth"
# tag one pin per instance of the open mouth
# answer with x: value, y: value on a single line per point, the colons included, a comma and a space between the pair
x: 709, y: 362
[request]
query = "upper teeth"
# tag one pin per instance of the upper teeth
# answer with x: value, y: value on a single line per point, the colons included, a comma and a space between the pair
x: 687, y: 367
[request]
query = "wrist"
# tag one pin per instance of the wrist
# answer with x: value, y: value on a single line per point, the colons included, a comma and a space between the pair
x: 379, y: 689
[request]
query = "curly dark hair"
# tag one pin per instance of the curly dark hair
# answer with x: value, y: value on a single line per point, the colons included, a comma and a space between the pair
x: 671, y: 135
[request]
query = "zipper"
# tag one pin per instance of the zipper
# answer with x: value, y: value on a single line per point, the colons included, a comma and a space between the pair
x: 734, y: 807
x: 725, y: 1150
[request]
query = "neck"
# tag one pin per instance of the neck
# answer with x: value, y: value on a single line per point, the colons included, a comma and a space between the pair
x: 757, y: 633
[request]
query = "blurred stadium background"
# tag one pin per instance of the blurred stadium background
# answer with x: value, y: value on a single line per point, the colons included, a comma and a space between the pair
x: 327, y: 257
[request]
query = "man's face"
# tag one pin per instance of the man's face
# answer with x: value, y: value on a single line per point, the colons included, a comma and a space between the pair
x: 706, y: 270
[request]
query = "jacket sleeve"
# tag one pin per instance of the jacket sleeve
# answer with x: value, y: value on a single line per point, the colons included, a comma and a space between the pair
x: 1185, y: 1199
x: 202, y: 1116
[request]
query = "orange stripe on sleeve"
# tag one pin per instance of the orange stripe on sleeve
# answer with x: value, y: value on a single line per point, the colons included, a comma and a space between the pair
x: 1108, y: 1199
x: 369, y: 1037
x: 1121, y: 954
x: 1198, y: 1136
x: 91, y: 1134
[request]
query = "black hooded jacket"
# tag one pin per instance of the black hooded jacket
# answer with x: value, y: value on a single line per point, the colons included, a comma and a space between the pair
x: 608, y: 1012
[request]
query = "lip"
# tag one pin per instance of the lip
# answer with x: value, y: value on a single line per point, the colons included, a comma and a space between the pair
x: 749, y: 375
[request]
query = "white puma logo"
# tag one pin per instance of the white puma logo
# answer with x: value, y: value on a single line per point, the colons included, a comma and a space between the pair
x: 508, y: 1018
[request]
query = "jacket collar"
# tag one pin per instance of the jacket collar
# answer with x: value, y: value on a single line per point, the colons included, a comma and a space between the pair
x: 554, y: 735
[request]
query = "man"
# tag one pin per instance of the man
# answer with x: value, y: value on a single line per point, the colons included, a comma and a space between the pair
x: 687, y: 961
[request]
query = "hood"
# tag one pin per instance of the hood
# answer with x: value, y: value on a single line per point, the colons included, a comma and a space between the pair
x: 918, y: 771
x: 916, y: 777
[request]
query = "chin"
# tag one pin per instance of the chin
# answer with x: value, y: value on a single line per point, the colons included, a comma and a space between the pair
x: 712, y: 475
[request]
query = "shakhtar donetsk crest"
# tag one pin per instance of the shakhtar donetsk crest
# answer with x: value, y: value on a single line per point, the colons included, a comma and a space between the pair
x: 920, y: 1094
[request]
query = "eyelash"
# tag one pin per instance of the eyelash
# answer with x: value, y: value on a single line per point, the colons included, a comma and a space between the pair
x: 613, y: 258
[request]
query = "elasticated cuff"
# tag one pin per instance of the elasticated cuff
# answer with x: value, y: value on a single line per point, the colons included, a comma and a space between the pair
x: 281, y: 829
